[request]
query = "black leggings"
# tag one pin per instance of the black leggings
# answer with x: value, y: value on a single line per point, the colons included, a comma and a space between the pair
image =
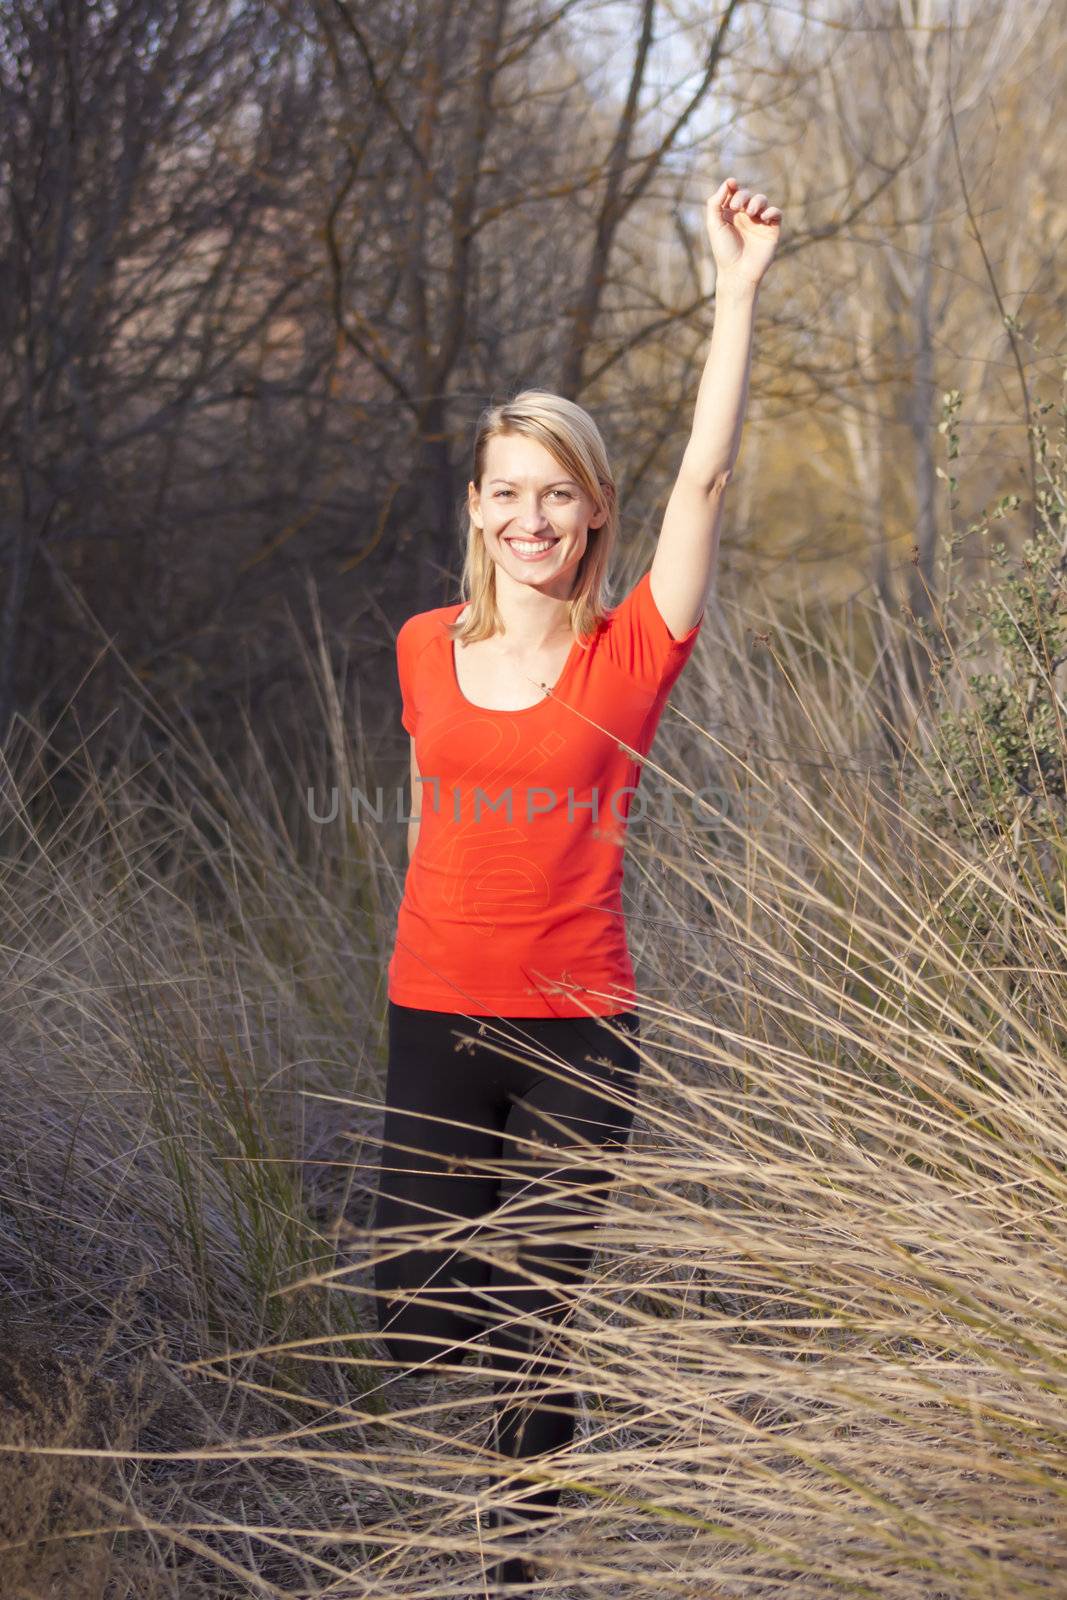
x: 427, y: 1298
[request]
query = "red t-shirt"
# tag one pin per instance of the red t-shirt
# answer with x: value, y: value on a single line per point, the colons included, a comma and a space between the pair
x: 517, y: 915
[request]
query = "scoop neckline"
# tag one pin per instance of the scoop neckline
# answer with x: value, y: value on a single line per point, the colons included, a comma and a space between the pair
x: 494, y: 711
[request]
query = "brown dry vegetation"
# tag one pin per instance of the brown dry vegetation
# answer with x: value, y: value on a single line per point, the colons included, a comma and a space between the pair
x: 823, y: 1346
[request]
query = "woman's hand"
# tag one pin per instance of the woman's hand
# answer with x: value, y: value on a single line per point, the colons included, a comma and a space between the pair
x: 744, y: 232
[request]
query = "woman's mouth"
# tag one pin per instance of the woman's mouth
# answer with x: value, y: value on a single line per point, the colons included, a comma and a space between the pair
x: 531, y: 549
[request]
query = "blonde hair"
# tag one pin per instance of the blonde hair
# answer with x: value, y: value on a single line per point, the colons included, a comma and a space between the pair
x: 571, y: 435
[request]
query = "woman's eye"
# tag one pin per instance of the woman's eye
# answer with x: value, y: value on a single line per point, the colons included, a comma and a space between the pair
x: 500, y: 493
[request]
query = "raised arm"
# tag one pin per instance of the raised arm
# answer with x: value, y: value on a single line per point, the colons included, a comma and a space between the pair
x: 744, y: 232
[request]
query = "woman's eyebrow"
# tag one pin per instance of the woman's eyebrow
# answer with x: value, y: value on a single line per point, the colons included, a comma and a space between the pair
x: 558, y: 481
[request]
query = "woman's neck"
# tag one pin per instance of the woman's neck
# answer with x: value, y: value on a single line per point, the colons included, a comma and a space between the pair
x: 532, y: 621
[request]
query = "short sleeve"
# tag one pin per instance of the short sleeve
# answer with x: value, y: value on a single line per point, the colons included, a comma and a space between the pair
x: 405, y: 664
x: 640, y: 643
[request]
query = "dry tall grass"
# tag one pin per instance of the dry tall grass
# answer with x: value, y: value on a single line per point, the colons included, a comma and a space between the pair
x: 823, y: 1349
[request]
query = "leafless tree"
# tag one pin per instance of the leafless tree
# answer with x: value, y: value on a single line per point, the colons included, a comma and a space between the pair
x: 263, y: 265
x: 143, y: 149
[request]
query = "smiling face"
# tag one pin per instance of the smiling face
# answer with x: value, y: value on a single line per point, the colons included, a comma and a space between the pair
x: 534, y: 518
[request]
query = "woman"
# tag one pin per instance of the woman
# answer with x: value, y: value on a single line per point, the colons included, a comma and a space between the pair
x: 518, y: 702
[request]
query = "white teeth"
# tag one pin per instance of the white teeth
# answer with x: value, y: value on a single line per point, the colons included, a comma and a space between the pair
x: 530, y: 548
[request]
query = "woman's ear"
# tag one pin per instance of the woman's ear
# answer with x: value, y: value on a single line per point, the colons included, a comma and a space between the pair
x: 601, y: 511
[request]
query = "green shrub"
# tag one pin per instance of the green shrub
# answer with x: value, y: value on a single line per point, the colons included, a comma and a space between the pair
x: 994, y: 764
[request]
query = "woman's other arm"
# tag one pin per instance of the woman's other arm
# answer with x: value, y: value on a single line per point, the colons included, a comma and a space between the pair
x: 416, y: 803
